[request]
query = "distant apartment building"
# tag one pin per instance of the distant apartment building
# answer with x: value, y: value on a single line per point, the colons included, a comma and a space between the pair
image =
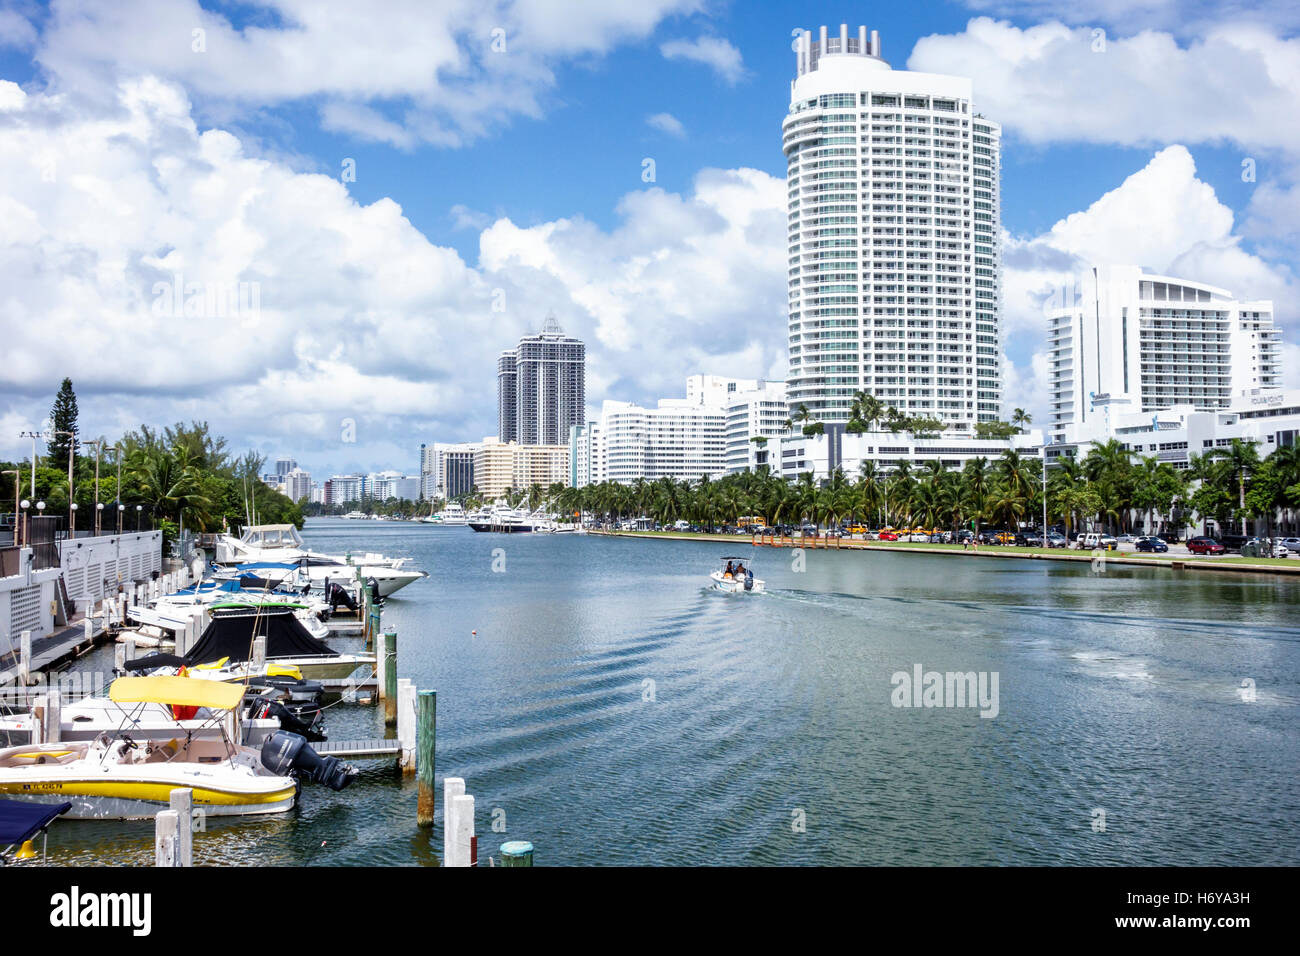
x: 284, y: 465
x: 387, y: 485
x: 707, y: 433
x: 1123, y: 341
x: 541, y: 388
x: 340, y: 489
x: 297, y: 484
x: 509, y: 466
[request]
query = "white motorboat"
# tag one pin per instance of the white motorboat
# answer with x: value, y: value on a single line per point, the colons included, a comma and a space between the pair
x: 451, y: 515
x: 116, y: 777
x: 734, y: 577
x: 281, y: 543
x: 321, y: 572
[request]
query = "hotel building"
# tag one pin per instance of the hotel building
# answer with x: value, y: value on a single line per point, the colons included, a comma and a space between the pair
x: 894, y: 225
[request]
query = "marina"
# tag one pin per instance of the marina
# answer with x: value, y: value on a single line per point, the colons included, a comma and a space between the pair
x: 780, y: 702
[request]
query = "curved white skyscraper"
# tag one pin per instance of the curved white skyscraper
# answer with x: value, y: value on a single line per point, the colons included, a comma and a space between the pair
x: 894, y: 231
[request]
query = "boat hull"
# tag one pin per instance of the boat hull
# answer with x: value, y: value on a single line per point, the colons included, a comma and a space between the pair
x: 501, y: 528
x: 734, y: 585
x: 107, y: 806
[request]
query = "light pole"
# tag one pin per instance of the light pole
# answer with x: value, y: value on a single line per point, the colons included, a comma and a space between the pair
x: 27, y: 530
x: 33, y: 436
x: 120, y: 508
x: 138, y: 509
x: 1045, y: 544
x: 72, y: 507
x: 98, y: 443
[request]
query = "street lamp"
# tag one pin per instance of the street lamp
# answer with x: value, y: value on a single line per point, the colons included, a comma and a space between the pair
x: 99, y: 512
x: 138, y: 509
x: 33, y: 436
x: 98, y: 443
x: 72, y: 454
x: 27, y: 533
x: 120, y: 508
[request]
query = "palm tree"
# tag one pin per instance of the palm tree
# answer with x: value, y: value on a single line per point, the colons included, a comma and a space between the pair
x: 1243, y: 459
x: 1020, y: 418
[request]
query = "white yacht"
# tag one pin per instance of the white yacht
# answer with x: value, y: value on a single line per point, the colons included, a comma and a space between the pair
x: 280, y: 544
x: 452, y: 514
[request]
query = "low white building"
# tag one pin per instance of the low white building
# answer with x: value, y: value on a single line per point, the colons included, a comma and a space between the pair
x: 837, y: 448
x: 706, y: 433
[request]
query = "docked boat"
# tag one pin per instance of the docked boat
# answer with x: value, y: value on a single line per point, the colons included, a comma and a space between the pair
x: 504, y: 521
x: 116, y: 777
x: 451, y: 515
x: 734, y: 577
x: 232, y: 630
x: 282, y: 544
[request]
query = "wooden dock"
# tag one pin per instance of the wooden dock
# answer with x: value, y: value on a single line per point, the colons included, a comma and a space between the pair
x: 359, y: 749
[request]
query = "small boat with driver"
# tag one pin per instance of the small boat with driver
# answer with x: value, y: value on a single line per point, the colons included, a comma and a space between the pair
x: 735, y: 577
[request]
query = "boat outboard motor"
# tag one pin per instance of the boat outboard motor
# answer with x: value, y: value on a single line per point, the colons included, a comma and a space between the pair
x: 749, y: 580
x: 285, y: 753
x: 296, y: 722
x: 338, y: 594
x: 374, y: 591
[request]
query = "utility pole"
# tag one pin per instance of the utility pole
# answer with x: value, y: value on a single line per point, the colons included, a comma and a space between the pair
x: 98, y: 443
x: 33, y: 436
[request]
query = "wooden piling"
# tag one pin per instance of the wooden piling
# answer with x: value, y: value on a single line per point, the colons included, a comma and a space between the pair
x: 517, y: 853
x: 53, y: 716
x: 381, y: 661
x: 119, y: 657
x: 25, y: 657
x: 182, y: 801
x: 129, y: 653
x: 167, y: 849
x: 406, y: 717
x: 389, y: 684
x: 460, y: 834
x: 426, y: 746
x: 452, y: 787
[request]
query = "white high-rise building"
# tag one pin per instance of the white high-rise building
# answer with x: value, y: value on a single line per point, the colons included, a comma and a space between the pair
x: 755, y: 416
x: 1124, y: 341
x: 297, y: 484
x: 894, y: 223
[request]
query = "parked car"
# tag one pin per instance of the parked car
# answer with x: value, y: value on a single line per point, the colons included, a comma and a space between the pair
x: 1204, y: 546
x: 1291, y: 544
x: 1057, y: 540
x: 1151, y: 545
x: 1232, y: 542
x: 1029, y: 539
x: 888, y: 536
x: 1108, y: 543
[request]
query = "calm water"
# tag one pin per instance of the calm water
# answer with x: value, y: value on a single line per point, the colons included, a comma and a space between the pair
x: 1118, y: 691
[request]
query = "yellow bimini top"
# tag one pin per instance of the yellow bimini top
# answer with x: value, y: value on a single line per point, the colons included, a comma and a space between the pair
x: 177, y: 691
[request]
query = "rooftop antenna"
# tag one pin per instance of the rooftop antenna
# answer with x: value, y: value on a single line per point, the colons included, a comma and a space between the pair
x: 552, y: 325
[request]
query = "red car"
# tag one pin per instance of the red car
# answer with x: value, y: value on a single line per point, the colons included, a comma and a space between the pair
x: 1204, y: 546
x: 888, y: 536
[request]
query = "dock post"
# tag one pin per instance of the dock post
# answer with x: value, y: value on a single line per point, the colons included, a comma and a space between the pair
x: 460, y: 844
x: 259, y: 654
x: 426, y: 746
x: 88, y: 622
x: 517, y: 853
x: 119, y: 657
x: 406, y: 725
x: 452, y: 787
x: 129, y: 654
x: 389, y: 688
x: 182, y: 801
x: 53, y: 716
x: 25, y: 657
x: 37, y: 705
x: 166, y: 838
x: 381, y: 659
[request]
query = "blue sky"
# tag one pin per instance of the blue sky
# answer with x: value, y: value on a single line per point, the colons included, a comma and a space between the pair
x: 579, y: 157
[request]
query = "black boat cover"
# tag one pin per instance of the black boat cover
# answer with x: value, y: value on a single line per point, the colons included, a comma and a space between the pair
x: 232, y: 631
x: 20, y: 820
